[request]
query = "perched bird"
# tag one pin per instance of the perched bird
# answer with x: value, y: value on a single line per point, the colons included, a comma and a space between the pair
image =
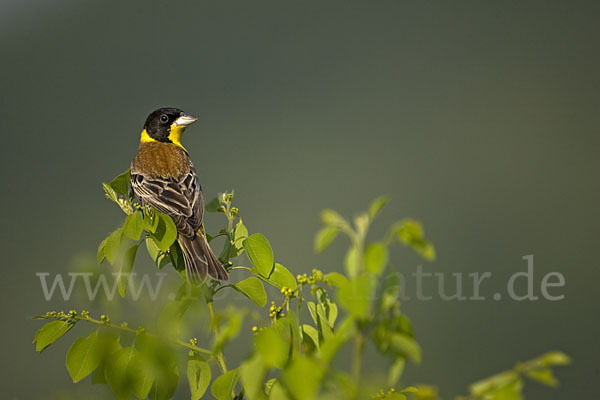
x: 163, y: 176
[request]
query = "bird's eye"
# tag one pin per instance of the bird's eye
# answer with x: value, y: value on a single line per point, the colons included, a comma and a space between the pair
x: 164, y: 118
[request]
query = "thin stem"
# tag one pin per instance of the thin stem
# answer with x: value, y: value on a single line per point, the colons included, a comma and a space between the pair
x: 219, y: 356
x: 136, y: 332
x: 219, y: 288
x: 192, y: 347
x: 359, y: 344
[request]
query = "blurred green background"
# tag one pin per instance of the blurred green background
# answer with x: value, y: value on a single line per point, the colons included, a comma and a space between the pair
x: 479, y: 118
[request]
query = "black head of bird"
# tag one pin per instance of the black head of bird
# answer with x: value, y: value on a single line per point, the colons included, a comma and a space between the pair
x: 167, y: 125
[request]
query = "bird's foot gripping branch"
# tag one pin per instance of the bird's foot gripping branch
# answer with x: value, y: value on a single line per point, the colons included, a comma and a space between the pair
x: 298, y: 340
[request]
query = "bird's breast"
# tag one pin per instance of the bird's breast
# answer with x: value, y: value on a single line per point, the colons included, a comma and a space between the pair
x: 161, y: 159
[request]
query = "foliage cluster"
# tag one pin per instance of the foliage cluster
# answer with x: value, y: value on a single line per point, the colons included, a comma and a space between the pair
x: 311, y: 322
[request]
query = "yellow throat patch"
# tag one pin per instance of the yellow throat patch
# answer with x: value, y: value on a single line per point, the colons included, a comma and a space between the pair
x: 174, y: 136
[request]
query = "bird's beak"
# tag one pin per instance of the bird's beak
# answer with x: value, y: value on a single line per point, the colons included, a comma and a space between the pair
x: 185, y: 120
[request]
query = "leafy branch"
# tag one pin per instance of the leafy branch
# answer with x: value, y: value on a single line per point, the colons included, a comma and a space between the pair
x: 310, y: 320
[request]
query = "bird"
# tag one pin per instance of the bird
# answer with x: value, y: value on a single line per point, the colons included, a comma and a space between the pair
x: 164, y: 177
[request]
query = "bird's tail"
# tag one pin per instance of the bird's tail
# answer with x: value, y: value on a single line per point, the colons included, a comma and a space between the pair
x: 200, y: 260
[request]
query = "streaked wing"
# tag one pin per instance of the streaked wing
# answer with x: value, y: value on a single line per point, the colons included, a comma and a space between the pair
x: 180, y: 198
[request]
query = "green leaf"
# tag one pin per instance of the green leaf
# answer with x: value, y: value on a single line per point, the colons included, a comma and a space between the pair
x: 512, y: 391
x: 199, y: 375
x: 410, y: 389
x: 325, y: 237
x: 376, y: 258
x: 84, y: 356
x: 303, y: 377
x: 343, y: 333
x: 390, y: 291
x: 410, y: 232
x: 166, y: 232
x: 116, y: 372
x: 222, y: 387
x: 50, y: 333
x: 280, y: 277
x: 555, y: 358
x: 331, y: 311
x: 151, y: 219
x: 353, y: 261
x: 252, y: 373
x: 253, y: 289
x: 396, y: 396
x: 126, y: 266
x: 213, y: 205
x: 176, y: 257
x: 142, y: 375
x: 160, y: 258
x: 271, y: 347
x: 134, y: 225
x: 234, y: 247
x: 277, y: 392
x: 110, y: 345
x: 377, y: 205
x: 112, y: 248
x: 543, y: 376
x: 240, y: 233
x: 332, y: 218
x: 320, y: 318
x: 100, y: 254
x: 164, y: 369
x: 405, y: 345
x: 165, y: 384
x: 110, y: 193
x: 495, y: 381
x: 121, y: 183
x: 395, y: 371
x: 356, y: 296
x: 361, y: 222
x: 260, y: 253
x: 229, y: 330
x: 336, y: 279
x: 309, y: 332
x: 289, y: 328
